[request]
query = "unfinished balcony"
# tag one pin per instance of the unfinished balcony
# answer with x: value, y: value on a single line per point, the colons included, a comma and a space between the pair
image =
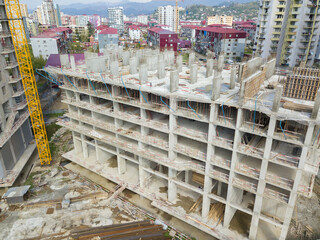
x: 156, y: 120
x: 7, y: 48
x: 219, y: 174
x: 276, y: 193
x: 280, y: 176
x: 224, y: 137
x: 252, y: 145
x: 106, y: 147
x: 156, y: 138
x: 11, y: 64
x: 286, y: 154
x: 128, y: 113
x: 218, y: 190
x: 194, y: 110
x: 222, y: 158
x: 290, y: 131
x: 255, y: 122
x: 191, y: 128
x: 188, y: 163
x: 227, y: 116
x: 245, y: 183
x: 273, y: 211
x: 103, y: 90
x: 128, y: 129
x: 128, y: 96
x: 191, y: 148
x: 156, y: 103
x: 248, y: 166
x: 242, y: 200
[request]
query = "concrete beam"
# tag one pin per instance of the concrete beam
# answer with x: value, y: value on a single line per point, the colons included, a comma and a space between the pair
x: 174, y: 80
x: 193, y: 73
x: 209, y: 70
x: 143, y: 73
x: 316, y: 106
x: 133, y: 65
x: 277, y: 98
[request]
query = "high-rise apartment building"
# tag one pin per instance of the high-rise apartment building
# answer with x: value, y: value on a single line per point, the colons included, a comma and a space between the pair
x: 142, y: 19
x: 115, y: 16
x: 167, y: 15
x: 288, y: 30
x: 58, y: 15
x: 46, y: 13
x: 16, y: 139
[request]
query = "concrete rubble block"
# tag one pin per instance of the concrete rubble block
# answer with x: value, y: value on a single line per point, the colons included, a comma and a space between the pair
x: 114, y: 68
x: 193, y: 73
x: 143, y: 73
x: 179, y: 63
x: 209, y: 70
x: 174, y: 80
x: 161, y: 69
x: 192, y: 59
x: 133, y: 62
x: 125, y: 58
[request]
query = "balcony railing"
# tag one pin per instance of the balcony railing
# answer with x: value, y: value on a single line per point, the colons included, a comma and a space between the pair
x: 281, y: 181
x: 248, y: 149
x: 248, y: 186
x: 219, y: 161
x: 276, y: 195
x: 248, y: 171
x: 222, y: 142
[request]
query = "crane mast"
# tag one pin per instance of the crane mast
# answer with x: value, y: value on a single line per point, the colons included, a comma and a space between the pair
x: 20, y: 43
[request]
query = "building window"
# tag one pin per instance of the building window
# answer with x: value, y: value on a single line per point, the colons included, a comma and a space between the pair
x: 230, y: 35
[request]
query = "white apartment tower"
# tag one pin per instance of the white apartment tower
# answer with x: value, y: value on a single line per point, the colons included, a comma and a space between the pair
x: 46, y: 13
x: 167, y: 16
x: 115, y: 16
x: 288, y: 30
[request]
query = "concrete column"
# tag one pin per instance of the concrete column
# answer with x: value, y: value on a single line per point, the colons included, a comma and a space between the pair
x: 219, y: 188
x: 174, y: 80
x: 161, y: 68
x: 133, y: 65
x: 114, y: 68
x: 179, y: 63
x: 209, y: 68
x: 125, y: 58
x: 233, y: 78
x: 143, y: 73
x: 206, y: 202
x: 316, y: 106
x: 172, y: 187
x: 122, y: 165
x: 277, y: 98
x: 192, y: 58
x: 241, y: 97
x: 193, y: 73
x: 187, y: 177
x: 2, y: 168
x: 84, y: 147
x: 216, y: 85
x: 12, y: 151
x: 220, y: 62
x: 73, y: 62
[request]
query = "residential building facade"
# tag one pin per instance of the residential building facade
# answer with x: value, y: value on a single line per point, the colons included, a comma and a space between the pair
x: 16, y: 138
x: 142, y: 19
x: 108, y: 37
x: 218, y: 39
x: 163, y: 39
x: 134, y: 32
x: 288, y: 31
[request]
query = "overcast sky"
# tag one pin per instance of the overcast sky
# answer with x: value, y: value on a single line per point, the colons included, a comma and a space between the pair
x: 34, y: 3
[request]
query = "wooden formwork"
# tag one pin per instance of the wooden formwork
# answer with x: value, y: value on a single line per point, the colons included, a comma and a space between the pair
x: 252, y: 85
x: 303, y: 83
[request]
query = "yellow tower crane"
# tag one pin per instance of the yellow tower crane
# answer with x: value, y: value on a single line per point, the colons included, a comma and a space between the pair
x: 20, y: 43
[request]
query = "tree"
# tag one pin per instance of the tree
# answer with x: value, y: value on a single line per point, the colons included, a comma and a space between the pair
x: 90, y: 29
x: 37, y: 62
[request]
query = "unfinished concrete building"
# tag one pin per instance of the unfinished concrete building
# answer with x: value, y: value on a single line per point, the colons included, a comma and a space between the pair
x: 206, y: 145
x: 16, y: 145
